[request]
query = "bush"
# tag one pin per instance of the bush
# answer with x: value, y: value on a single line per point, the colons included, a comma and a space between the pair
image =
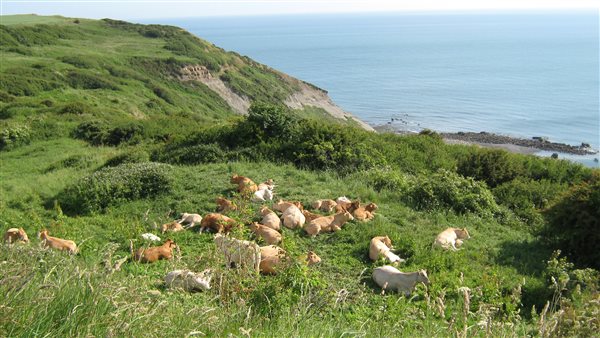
x: 163, y: 94
x: 114, y: 185
x: 75, y: 161
x: 93, y: 132
x: 384, y: 179
x: 196, y: 154
x: 134, y: 156
x: 491, y: 166
x: 446, y: 189
x: 99, y: 133
x: 526, y: 197
x: 11, y: 138
x: 574, y: 222
x: 128, y: 133
x: 77, y: 108
x: 81, y: 80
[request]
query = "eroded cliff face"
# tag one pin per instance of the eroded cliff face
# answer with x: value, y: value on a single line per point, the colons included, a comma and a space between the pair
x: 306, y: 96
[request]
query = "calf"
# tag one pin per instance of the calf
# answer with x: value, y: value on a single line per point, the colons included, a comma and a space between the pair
x: 239, y: 253
x: 14, y: 235
x: 328, y: 223
x: 365, y: 213
x: 293, y: 218
x: 172, y: 227
x: 451, y: 238
x: 282, y: 205
x: 271, y: 259
x: 217, y: 222
x: 310, y: 216
x: 245, y: 185
x: 262, y: 195
x: 269, y: 235
x: 390, y: 278
x: 57, y: 243
x: 155, y: 253
x: 268, y: 184
x: 270, y: 219
x: 382, y: 246
x: 188, y: 280
x: 324, y: 205
x: 190, y: 219
x: 225, y: 205
x: 312, y: 258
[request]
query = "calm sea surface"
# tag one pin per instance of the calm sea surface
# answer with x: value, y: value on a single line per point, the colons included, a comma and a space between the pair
x: 520, y: 74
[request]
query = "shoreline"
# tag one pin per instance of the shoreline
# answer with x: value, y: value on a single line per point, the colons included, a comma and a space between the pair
x: 511, y: 144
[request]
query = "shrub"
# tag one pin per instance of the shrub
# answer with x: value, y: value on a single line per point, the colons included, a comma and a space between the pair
x: 195, y: 154
x: 81, y: 80
x: 384, y: 179
x: 11, y: 138
x: 134, y: 156
x: 574, y: 222
x: 77, y: 108
x: 492, y: 166
x: 93, y: 132
x: 128, y: 133
x: 526, y: 197
x: 99, y: 133
x: 164, y: 94
x: 74, y: 161
x: 445, y: 189
x: 114, y: 185
x: 80, y: 61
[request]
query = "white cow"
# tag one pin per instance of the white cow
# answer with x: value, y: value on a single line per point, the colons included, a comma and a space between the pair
x: 451, y: 238
x: 188, y: 280
x: 262, y: 195
x: 239, y: 253
x: 190, y: 219
x: 293, y: 218
x: 390, y: 278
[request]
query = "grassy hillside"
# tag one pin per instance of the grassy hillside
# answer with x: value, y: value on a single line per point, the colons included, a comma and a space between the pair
x: 81, y: 158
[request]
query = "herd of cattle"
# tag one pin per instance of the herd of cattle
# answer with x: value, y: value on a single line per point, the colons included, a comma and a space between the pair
x: 270, y: 258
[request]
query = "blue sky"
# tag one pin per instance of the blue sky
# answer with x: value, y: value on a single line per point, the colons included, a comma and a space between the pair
x: 145, y: 9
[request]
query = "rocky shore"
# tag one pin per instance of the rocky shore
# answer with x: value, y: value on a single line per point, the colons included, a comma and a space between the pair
x: 540, y: 143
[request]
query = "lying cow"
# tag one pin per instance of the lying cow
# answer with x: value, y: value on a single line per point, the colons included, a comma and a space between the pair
x: 451, y: 238
x: 155, y: 253
x: 14, y: 235
x: 245, y: 185
x: 188, y: 280
x: 239, y: 253
x: 225, y: 205
x: 190, y: 219
x: 217, y: 223
x: 382, y: 246
x: 270, y: 218
x: 390, y: 278
x: 293, y: 218
x: 172, y: 227
x: 331, y: 223
x: 324, y: 205
x: 312, y: 258
x: 271, y: 259
x: 262, y: 195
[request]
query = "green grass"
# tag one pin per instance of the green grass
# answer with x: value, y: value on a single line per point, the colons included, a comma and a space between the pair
x: 109, y: 82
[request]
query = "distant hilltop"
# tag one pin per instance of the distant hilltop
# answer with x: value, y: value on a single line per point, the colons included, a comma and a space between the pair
x: 139, y: 70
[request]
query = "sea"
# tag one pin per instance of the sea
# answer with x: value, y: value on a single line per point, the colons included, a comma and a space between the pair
x: 522, y: 74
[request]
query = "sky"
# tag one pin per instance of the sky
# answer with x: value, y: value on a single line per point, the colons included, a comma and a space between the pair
x: 148, y: 9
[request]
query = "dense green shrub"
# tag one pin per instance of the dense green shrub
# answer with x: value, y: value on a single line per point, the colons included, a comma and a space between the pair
x: 24, y: 81
x: 84, y: 80
x: 80, y: 61
x: 13, y: 137
x: 384, y: 179
x: 99, y: 133
x: 113, y: 185
x: 492, y: 166
x: 76, y: 108
x: 445, y: 189
x: 74, y: 161
x: 527, y: 197
x: 574, y: 222
x: 164, y: 94
x: 195, y: 154
x: 133, y: 156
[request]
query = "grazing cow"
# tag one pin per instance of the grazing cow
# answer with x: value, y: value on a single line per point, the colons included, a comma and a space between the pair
x: 324, y: 205
x: 225, y: 205
x: 239, y: 253
x: 269, y: 235
x: 282, y: 205
x: 382, y: 246
x: 270, y: 219
x: 293, y: 218
x: 57, y: 243
x: 365, y: 213
x: 271, y: 259
x: 245, y: 185
x: 151, y: 237
x: 172, y: 227
x: 262, y: 195
x: 451, y: 238
x: 328, y: 223
x: 155, y: 253
x: 217, y: 222
x: 268, y: 184
x: 312, y: 258
x: 190, y: 219
x: 390, y: 278
x: 310, y: 216
x: 188, y: 280
x: 14, y: 235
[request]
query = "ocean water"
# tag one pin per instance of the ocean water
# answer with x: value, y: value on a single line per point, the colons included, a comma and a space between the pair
x: 515, y: 73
